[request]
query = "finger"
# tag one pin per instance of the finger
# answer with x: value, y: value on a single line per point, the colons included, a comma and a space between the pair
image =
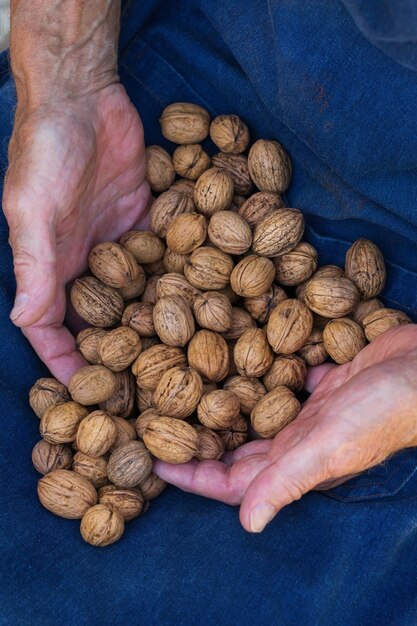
x: 260, y: 446
x: 316, y: 374
x: 280, y: 483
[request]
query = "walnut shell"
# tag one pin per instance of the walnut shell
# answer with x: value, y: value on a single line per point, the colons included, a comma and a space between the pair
x: 66, y: 494
x: 149, y: 342
x: 129, y: 464
x: 152, y: 487
x: 278, y: 233
x: 364, y: 308
x: 92, y: 468
x: 252, y: 354
x: 288, y: 370
x: 252, y: 276
x: 174, y: 262
x: 173, y: 284
x: 143, y: 421
x: 154, y: 362
x: 171, y: 440
x: 190, y: 161
x: 139, y: 317
x: 210, y: 446
x: 249, y: 390
x: 232, y: 365
x: 45, y: 393
x: 260, y: 307
x: 119, y: 348
x: 144, y: 399
x: 236, y: 435
x: 269, y: 166
x: 125, y: 432
x: 209, y: 268
x: 149, y: 295
x: 114, y: 265
x: 366, y: 268
x: 237, y: 166
x: 343, y: 339
x: 96, y: 434
x: 259, y: 206
x: 296, y: 266
x: 173, y: 321
x: 166, y: 208
x: 92, y: 384
x: 59, y: 423
x: 229, y: 133
x: 229, y: 232
x: 313, y: 351
x: 155, y: 269
x: 96, y: 303
x: 218, y: 409
x: 213, y: 191
x: 160, y: 172
x: 144, y: 246
x: 241, y: 321
x: 122, y: 400
x: 381, y: 320
x: 289, y: 326
x: 274, y: 411
x: 178, y: 392
x: 331, y: 296
x: 47, y: 457
x: 185, y: 186
x: 209, y: 355
x: 102, y: 525
x: 87, y: 343
x: 183, y: 123
x: 135, y: 289
x: 129, y: 502
x: 329, y: 271
x: 186, y: 232
x: 213, y: 310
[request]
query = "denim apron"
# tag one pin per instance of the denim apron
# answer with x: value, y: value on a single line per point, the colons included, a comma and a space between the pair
x: 336, y: 83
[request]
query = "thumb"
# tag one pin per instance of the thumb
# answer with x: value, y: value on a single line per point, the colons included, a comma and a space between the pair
x: 34, y: 258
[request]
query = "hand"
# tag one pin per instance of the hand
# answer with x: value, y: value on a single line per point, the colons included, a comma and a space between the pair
x: 76, y: 177
x: 357, y: 415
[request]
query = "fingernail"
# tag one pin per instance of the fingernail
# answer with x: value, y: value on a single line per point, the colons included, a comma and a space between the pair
x: 20, y: 305
x: 260, y: 516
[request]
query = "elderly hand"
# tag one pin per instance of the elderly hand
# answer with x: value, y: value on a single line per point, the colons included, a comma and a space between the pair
x: 358, y: 414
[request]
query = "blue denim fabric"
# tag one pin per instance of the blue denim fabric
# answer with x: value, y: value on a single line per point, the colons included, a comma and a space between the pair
x: 303, y: 73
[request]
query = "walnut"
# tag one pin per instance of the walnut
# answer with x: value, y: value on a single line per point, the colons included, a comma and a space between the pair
x: 343, y: 339
x: 66, y: 494
x: 59, y: 423
x: 178, y: 392
x: 152, y: 486
x: 208, y: 354
x: 218, y: 409
x: 241, y: 321
x: 329, y: 271
x: 213, y: 191
x: 166, y: 208
x: 213, y: 310
x: 381, y: 320
x: 252, y: 354
x: 125, y: 432
x: 149, y: 342
x: 232, y: 371
x: 96, y: 434
x: 102, y: 525
x: 92, y: 384
x: 129, y: 502
x: 171, y: 440
x: 209, y: 268
x: 259, y: 206
x: 155, y: 269
x: 190, y: 161
x: 249, y: 390
x: 185, y: 186
x: 331, y: 296
x: 288, y: 370
x: 278, y: 233
x: 139, y: 317
x: 296, y: 266
x: 274, y: 411
x: 144, y: 399
x: 143, y: 421
x: 229, y: 133
x: 260, y: 307
x: 269, y: 166
x: 313, y: 351
x: 47, y: 457
x: 174, y: 262
x: 119, y: 348
x: 289, y: 326
x: 366, y: 268
x: 236, y: 435
x: 122, y: 400
x: 96, y: 303
x: 237, y: 166
x: 210, y: 446
x: 149, y: 295
x: 45, y: 393
x: 87, y: 343
x: 129, y: 464
x: 183, y: 123
x: 160, y: 172
x: 173, y: 321
x: 186, y: 232
x: 173, y: 284
x: 136, y: 288
x: 154, y: 362
x: 252, y: 276
x: 92, y: 468
x: 364, y: 308
x: 229, y: 232
x: 145, y: 247
x: 114, y: 265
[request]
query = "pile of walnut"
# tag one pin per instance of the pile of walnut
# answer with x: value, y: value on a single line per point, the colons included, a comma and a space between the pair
x: 208, y: 323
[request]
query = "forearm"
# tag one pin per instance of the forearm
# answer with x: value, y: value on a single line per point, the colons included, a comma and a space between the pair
x: 63, y: 49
